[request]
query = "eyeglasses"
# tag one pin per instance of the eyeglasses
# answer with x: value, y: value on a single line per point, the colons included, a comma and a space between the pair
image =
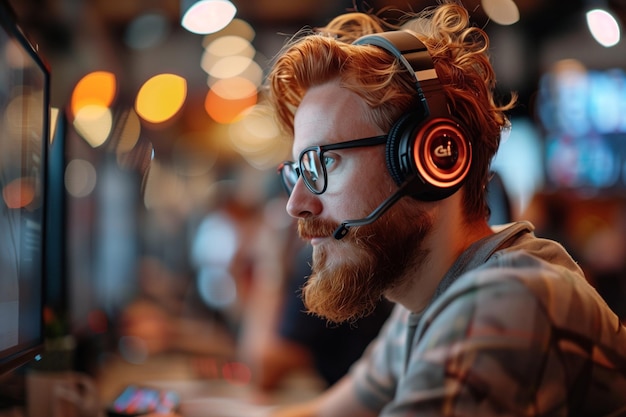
x: 312, y: 164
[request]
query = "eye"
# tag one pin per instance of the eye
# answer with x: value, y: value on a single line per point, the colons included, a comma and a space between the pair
x: 328, y: 161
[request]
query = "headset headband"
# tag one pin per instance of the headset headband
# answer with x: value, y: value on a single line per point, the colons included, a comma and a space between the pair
x: 413, y: 54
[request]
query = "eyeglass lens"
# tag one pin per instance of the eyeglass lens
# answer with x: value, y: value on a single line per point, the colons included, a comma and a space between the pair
x: 312, y: 170
x: 289, y: 173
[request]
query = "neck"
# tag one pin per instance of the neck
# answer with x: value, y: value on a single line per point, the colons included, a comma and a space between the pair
x: 449, y: 238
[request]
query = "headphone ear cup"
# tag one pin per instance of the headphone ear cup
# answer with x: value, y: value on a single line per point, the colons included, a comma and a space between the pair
x: 435, y: 151
x: 392, y: 150
x: 441, y: 156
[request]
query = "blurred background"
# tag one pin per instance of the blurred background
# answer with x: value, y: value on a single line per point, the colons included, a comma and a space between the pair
x: 166, y: 195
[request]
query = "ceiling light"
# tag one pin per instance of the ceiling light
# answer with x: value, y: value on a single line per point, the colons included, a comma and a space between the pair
x: 503, y: 12
x: 206, y: 16
x: 603, y: 27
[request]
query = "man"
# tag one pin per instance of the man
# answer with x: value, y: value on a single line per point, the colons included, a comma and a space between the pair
x: 393, y: 138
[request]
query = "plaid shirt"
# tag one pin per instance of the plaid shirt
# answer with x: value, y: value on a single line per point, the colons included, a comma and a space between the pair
x: 514, y: 329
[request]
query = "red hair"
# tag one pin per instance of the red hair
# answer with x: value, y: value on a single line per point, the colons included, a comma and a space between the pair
x: 460, y: 55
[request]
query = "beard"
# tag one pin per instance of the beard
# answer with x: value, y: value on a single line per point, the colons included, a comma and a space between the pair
x: 350, y: 277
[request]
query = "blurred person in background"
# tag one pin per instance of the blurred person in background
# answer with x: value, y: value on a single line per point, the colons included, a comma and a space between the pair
x: 162, y: 317
x: 194, y: 287
x: 394, y: 131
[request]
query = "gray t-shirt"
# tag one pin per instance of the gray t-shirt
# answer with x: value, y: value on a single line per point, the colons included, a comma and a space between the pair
x: 513, y: 329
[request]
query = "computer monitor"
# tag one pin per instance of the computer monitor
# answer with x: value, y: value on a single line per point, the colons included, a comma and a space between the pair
x: 24, y: 138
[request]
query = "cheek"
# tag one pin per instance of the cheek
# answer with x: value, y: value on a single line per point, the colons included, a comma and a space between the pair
x: 364, y: 190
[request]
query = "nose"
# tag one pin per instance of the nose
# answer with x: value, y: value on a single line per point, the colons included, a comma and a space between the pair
x: 302, y: 202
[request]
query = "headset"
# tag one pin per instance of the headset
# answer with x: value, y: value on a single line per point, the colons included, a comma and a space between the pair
x: 427, y: 152
x: 426, y: 147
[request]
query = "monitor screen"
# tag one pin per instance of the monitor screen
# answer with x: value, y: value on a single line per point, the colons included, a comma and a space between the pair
x: 24, y: 137
x: 582, y: 113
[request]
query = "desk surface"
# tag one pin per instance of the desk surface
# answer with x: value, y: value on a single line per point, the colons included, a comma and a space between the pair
x: 220, y: 392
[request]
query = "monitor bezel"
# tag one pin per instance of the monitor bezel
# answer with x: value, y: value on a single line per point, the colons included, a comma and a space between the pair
x: 9, y: 24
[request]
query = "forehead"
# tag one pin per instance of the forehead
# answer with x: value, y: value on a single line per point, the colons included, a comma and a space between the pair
x: 329, y: 113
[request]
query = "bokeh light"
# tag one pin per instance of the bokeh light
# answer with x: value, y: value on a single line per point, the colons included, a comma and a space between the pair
x: 503, y: 12
x: 54, y: 118
x: 23, y: 114
x: 229, y: 98
x: 207, y: 16
x: 97, y: 88
x: 228, y: 45
x: 229, y: 66
x: 237, y: 27
x: 258, y: 139
x: 80, y: 178
x: 130, y: 132
x: 19, y: 193
x: 161, y: 97
x: 94, y: 123
x: 603, y: 27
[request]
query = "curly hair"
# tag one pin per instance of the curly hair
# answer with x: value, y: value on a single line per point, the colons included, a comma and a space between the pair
x: 459, y: 52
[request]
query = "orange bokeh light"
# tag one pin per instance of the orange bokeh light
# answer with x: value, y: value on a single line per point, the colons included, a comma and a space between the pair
x: 19, y: 193
x: 229, y: 98
x: 94, y: 89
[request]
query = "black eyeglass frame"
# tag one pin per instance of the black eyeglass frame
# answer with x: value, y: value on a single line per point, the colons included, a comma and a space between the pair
x: 319, y: 150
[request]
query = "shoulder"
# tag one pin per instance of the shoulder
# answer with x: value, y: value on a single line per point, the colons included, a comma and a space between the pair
x: 513, y: 273
x: 524, y: 262
x: 531, y: 288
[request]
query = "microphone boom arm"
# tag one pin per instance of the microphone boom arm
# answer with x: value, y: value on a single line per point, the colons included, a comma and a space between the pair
x: 342, y: 230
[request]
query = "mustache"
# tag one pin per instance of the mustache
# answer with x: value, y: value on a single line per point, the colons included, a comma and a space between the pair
x: 310, y: 228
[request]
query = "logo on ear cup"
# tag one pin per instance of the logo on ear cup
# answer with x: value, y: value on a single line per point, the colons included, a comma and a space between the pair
x: 443, y: 156
x: 435, y: 152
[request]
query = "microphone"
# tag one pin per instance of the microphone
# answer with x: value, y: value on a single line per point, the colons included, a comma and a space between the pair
x: 343, y: 229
